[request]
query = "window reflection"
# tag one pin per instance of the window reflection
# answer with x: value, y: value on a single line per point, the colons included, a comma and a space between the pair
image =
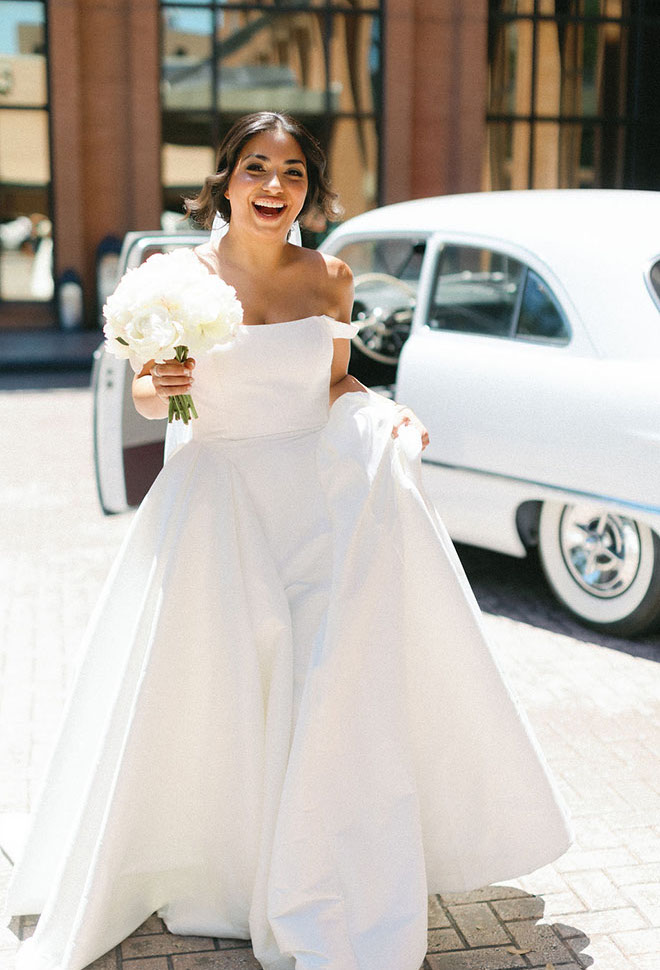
x: 400, y: 258
x: 25, y: 226
x: 355, y: 63
x: 271, y: 62
x: 353, y: 161
x: 320, y: 64
x: 559, y: 78
x: 654, y: 276
x: 540, y: 316
x: 476, y: 291
x: 187, y: 81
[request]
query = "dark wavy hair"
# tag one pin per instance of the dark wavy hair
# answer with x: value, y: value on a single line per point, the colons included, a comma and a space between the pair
x: 211, y: 199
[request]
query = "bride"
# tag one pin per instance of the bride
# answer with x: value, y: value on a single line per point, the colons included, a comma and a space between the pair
x: 287, y: 724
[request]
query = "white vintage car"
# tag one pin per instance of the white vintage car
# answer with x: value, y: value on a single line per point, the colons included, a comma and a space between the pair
x: 529, y: 324
x: 526, y: 330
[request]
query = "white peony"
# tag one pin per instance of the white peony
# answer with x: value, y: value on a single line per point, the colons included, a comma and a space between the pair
x: 168, y: 307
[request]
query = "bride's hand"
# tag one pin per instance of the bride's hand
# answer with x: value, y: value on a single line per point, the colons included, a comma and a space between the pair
x: 406, y: 416
x: 172, y: 377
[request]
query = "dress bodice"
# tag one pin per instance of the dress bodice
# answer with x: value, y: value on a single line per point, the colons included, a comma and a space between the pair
x: 272, y: 379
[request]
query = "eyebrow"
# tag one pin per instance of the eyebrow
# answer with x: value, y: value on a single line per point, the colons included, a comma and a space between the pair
x: 265, y: 158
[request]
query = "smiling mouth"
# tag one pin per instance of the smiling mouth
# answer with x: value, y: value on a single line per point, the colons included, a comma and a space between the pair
x: 271, y: 209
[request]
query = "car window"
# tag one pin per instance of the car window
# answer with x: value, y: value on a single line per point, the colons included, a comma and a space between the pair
x: 162, y: 247
x: 540, y: 315
x: 400, y: 258
x: 654, y: 276
x: 476, y: 291
x: 386, y: 275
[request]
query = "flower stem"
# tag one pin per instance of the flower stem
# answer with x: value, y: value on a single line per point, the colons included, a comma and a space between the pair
x: 181, y: 406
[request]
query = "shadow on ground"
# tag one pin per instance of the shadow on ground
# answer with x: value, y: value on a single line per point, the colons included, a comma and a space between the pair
x: 507, y: 586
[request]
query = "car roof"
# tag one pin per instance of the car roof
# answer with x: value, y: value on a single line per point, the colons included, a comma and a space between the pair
x: 549, y: 222
x: 597, y: 242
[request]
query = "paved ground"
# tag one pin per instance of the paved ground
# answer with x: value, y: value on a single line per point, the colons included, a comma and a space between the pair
x: 594, y: 701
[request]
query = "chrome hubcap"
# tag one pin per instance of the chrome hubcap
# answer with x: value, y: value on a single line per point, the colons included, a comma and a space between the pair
x: 601, y: 550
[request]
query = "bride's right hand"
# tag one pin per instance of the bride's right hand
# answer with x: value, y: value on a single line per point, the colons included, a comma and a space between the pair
x: 172, y: 377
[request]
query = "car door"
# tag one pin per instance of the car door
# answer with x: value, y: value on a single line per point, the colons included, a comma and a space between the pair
x: 128, y: 448
x: 497, y: 364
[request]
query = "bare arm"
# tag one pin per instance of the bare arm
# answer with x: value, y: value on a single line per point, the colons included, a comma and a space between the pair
x: 156, y: 383
x: 341, y: 382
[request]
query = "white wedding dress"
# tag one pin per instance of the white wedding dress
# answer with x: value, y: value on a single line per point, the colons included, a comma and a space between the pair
x: 287, y: 723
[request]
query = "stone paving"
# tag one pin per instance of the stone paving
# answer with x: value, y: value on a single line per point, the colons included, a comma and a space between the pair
x: 593, y: 701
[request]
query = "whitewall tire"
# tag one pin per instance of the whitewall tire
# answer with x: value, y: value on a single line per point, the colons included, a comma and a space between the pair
x: 604, y: 567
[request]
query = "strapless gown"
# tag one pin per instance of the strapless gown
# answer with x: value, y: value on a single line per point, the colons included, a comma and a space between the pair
x: 287, y: 723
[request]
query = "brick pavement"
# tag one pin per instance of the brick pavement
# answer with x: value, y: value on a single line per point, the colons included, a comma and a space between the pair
x: 594, y: 703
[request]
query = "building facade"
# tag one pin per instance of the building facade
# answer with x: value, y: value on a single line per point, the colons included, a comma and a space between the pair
x: 111, y: 110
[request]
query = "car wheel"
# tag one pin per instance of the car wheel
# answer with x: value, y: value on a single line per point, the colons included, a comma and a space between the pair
x: 383, y: 306
x: 603, y: 566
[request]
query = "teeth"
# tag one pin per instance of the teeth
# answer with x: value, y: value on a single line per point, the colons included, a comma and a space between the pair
x: 270, y: 204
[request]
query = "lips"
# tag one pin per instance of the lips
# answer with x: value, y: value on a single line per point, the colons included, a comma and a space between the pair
x: 269, y: 208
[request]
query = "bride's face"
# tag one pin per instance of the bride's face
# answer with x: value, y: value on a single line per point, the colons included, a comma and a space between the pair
x: 268, y: 186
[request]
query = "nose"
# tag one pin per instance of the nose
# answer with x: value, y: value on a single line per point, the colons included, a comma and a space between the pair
x: 272, y: 181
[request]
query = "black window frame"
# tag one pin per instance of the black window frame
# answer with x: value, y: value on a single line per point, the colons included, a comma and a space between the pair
x: 633, y: 123
x: 220, y: 120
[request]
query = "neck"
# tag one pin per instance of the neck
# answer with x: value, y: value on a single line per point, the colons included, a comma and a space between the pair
x: 246, y: 249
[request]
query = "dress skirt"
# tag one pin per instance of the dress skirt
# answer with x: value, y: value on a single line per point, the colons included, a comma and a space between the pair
x: 287, y: 723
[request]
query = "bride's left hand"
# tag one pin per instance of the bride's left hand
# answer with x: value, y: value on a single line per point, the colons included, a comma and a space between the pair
x: 406, y: 416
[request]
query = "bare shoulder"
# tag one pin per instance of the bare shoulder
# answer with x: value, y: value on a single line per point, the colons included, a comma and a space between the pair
x: 335, y: 267
x: 322, y: 265
x: 327, y: 276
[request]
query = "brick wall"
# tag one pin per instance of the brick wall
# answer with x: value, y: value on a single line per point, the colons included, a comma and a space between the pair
x: 435, y: 97
x: 105, y: 125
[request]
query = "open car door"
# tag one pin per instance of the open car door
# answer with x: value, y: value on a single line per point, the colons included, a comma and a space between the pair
x: 128, y: 449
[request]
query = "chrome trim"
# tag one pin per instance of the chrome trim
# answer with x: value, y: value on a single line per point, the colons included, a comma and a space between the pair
x: 651, y: 509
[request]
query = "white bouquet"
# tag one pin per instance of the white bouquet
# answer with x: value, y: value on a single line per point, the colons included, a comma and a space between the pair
x: 170, y: 306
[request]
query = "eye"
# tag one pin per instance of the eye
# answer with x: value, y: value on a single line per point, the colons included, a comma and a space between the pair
x: 296, y: 172
x: 255, y: 167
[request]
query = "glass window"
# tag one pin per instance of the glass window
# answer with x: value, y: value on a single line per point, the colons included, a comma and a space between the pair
x: 654, y: 276
x: 321, y: 64
x: 186, y: 75
x: 476, y: 291
x: 570, y: 85
x: 355, y: 64
x: 510, y: 88
x: 26, y: 245
x: 400, y: 258
x: 353, y: 161
x: 540, y: 316
x: 271, y: 62
x: 386, y: 274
